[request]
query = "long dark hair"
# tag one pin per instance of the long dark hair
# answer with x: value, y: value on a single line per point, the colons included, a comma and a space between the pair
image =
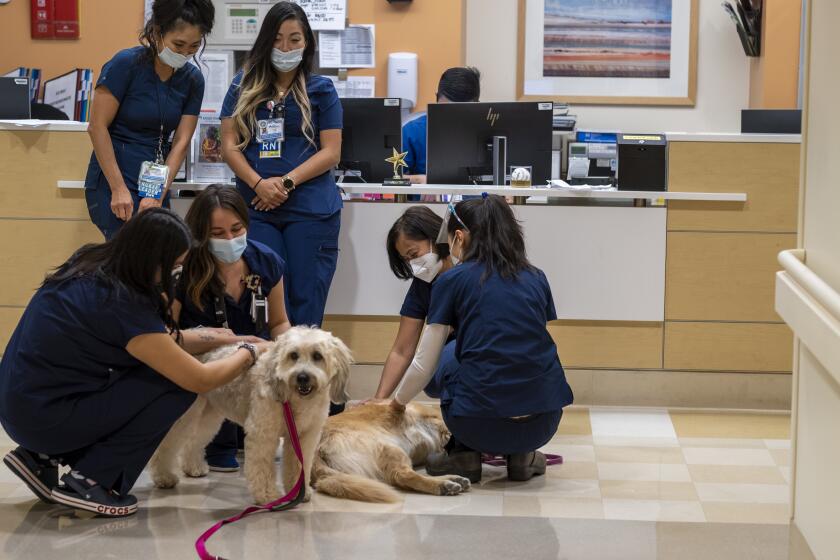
x: 259, y: 77
x: 418, y: 223
x: 169, y: 14
x: 496, y: 238
x: 199, y: 273
x: 148, y: 245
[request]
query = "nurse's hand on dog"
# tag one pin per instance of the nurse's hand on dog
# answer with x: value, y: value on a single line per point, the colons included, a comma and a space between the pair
x: 270, y: 194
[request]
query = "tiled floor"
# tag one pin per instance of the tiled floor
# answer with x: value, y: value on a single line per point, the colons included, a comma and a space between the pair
x: 646, y: 470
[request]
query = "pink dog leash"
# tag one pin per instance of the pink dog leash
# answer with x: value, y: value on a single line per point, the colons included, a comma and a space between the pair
x: 499, y: 460
x: 290, y: 500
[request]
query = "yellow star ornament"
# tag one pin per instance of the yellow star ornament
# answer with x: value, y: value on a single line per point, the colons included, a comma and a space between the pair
x: 398, y: 161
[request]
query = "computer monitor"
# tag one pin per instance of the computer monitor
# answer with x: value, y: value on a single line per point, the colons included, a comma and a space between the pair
x: 372, y: 130
x: 14, y: 98
x: 460, y: 137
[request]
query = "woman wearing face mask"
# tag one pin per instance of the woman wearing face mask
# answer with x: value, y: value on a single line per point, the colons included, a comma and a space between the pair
x: 281, y: 135
x: 506, y: 394
x: 228, y: 282
x: 413, y: 255
x: 93, y: 377
x: 144, y: 95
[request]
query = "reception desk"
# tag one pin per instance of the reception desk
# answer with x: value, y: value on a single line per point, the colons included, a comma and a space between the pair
x: 668, y: 302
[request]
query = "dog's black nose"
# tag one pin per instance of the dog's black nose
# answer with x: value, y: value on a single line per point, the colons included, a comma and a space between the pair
x: 302, y: 379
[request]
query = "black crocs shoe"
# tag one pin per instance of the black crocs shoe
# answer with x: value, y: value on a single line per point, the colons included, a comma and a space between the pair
x: 461, y: 463
x: 39, y: 473
x: 524, y: 466
x: 83, y: 493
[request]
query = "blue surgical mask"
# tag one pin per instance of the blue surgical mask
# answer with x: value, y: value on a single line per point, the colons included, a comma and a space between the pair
x: 172, y: 59
x: 229, y: 250
x: 286, y: 61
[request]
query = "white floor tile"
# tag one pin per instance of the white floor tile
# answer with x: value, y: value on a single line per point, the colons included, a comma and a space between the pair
x: 548, y: 487
x: 652, y: 510
x: 743, y: 493
x: 654, y: 472
x: 572, y: 453
x: 622, y: 441
x: 464, y: 504
x: 777, y: 443
x: 727, y: 456
x: 785, y: 473
x: 631, y: 423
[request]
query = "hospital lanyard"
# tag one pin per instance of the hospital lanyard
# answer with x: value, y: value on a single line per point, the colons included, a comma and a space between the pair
x: 159, y: 153
x: 259, y: 306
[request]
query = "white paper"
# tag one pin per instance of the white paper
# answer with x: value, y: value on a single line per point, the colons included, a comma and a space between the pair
x: 147, y: 10
x: 61, y: 93
x: 355, y: 86
x: 208, y: 165
x: 324, y: 14
x: 217, y: 69
x: 353, y: 47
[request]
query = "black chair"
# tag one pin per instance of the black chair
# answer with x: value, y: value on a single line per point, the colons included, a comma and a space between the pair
x: 44, y: 112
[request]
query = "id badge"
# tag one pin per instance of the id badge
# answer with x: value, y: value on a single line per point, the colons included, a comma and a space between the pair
x: 270, y: 150
x: 152, y: 180
x: 259, y: 311
x: 270, y: 130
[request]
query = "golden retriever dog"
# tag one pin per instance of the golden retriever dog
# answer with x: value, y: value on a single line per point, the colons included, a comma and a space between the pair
x: 308, y: 367
x: 367, y: 448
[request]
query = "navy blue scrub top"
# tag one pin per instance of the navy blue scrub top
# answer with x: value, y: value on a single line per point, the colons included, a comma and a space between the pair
x: 70, y: 341
x: 417, y: 300
x: 143, y: 98
x: 317, y: 198
x: 262, y: 261
x: 508, y: 364
x: 414, y: 142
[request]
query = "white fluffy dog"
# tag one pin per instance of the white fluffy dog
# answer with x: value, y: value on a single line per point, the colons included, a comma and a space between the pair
x: 308, y: 367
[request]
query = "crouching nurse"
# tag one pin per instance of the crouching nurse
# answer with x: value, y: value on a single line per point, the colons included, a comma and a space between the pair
x: 93, y: 376
x: 506, y: 394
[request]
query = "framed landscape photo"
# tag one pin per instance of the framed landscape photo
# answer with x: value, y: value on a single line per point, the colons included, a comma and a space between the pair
x: 620, y: 52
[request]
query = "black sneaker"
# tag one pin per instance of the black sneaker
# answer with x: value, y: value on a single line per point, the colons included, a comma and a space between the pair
x: 38, y: 472
x: 461, y: 463
x: 524, y: 466
x: 79, y: 492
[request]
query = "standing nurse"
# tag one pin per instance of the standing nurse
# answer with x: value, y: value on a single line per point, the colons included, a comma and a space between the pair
x: 281, y: 135
x: 143, y: 95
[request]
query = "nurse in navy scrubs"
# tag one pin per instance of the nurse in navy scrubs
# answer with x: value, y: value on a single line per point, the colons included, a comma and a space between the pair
x: 144, y: 95
x: 281, y: 135
x: 230, y: 282
x: 414, y: 255
x: 507, y: 393
x: 94, y: 377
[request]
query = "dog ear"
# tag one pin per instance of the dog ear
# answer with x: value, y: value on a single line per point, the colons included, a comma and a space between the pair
x: 340, y: 360
x: 270, y: 383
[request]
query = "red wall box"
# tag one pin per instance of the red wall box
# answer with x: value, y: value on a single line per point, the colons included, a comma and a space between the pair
x: 55, y: 19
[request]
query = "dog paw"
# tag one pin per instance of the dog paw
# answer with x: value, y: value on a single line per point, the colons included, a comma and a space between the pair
x: 265, y: 497
x: 197, y: 470
x: 450, y: 488
x: 464, y: 483
x: 165, y: 480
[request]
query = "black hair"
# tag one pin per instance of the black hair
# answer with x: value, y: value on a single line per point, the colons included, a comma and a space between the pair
x: 169, y: 14
x: 148, y: 245
x: 418, y: 223
x: 260, y: 54
x: 496, y: 238
x: 460, y: 84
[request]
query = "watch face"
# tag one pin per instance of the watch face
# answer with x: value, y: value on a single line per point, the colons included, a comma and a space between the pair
x: 288, y: 183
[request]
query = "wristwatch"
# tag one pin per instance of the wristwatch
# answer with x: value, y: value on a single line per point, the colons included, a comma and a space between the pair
x: 289, y: 183
x: 250, y: 348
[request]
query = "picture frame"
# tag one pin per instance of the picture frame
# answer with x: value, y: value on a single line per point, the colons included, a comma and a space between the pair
x: 608, y: 52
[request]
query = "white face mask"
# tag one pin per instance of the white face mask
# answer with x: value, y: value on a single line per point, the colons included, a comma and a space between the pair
x: 426, y: 267
x: 286, y: 61
x: 229, y: 250
x: 173, y: 59
x: 455, y: 260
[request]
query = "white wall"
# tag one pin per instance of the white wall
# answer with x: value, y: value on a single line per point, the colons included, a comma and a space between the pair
x: 723, y: 75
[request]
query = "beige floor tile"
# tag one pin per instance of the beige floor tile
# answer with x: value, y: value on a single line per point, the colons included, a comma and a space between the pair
x: 566, y: 439
x: 642, y: 490
x: 619, y: 441
x: 736, y: 474
x: 463, y: 504
x: 743, y: 493
x: 785, y: 473
x: 781, y: 456
x: 643, y: 472
x: 724, y: 456
x: 535, y: 506
x: 725, y: 425
x: 740, y: 443
x: 575, y: 421
x: 671, y: 455
x: 322, y: 502
x: 653, y: 510
x: 572, y: 453
x: 722, y: 512
x: 777, y: 443
x: 573, y: 469
x: 549, y: 487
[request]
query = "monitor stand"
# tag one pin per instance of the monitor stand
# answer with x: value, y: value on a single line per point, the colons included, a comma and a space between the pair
x: 499, y: 149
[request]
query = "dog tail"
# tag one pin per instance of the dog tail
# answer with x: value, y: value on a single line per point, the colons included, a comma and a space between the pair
x: 350, y: 486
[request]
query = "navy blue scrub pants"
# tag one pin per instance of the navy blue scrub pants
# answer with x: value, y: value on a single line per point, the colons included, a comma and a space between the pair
x: 111, y: 434
x: 98, y: 201
x: 503, y: 436
x: 310, y: 249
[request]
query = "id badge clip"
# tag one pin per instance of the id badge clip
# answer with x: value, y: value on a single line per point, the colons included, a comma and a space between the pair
x: 259, y: 311
x: 152, y: 180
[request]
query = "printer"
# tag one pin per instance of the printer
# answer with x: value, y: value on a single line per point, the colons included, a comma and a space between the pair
x: 593, y: 158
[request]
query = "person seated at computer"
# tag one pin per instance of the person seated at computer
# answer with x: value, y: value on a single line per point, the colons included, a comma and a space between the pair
x: 457, y: 85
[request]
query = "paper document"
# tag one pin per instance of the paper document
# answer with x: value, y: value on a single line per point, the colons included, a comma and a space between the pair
x: 355, y: 86
x: 61, y: 93
x: 560, y: 184
x: 324, y: 14
x: 353, y: 47
x: 217, y: 69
